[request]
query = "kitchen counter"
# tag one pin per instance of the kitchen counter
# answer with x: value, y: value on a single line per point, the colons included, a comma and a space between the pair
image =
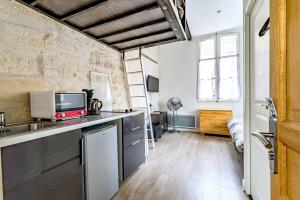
x: 62, y: 126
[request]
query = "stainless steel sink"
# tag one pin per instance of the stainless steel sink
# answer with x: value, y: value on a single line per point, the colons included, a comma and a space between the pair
x: 25, y: 127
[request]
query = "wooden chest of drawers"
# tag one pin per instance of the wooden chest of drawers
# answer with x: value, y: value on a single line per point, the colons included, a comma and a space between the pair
x: 214, y: 121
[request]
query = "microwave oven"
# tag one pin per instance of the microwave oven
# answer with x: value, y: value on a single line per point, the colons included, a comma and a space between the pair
x: 57, y: 105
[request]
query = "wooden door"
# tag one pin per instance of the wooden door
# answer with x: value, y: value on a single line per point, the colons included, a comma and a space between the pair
x: 285, y: 90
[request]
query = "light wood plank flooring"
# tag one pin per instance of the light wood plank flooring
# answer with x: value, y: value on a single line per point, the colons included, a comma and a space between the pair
x: 187, y: 166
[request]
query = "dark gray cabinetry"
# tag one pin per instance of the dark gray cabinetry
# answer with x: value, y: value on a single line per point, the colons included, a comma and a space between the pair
x: 134, y: 156
x: 48, y: 168
x: 133, y: 143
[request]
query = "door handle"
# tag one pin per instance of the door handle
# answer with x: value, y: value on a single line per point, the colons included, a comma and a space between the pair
x: 262, y: 136
x: 265, y: 28
x: 267, y: 134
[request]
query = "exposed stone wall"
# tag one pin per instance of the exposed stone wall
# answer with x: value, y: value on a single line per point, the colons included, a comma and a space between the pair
x: 38, y: 53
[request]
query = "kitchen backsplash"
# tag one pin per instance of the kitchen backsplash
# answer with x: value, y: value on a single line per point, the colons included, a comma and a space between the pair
x: 38, y: 53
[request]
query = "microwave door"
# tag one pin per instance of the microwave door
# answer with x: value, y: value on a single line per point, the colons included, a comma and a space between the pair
x: 69, y: 101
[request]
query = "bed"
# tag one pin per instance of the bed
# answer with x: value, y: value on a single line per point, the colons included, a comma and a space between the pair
x: 235, y: 127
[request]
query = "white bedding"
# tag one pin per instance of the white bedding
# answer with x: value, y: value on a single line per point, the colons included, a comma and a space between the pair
x: 236, y: 131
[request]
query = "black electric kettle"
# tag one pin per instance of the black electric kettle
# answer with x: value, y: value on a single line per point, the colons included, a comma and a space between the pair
x: 93, y: 105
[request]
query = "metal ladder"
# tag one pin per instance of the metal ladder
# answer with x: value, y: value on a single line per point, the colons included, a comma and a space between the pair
x: 137, y: 90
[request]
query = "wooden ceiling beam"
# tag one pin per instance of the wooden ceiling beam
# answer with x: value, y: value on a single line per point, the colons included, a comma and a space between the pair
x: 34, y: 2
x: 54, y: 17
x: 45, y: 10
x: 145, y: 25
x: 141, y: 36
x: 36, y: 5
x: 119, y: 17
x: 149, y: 44
x: 84, y: 9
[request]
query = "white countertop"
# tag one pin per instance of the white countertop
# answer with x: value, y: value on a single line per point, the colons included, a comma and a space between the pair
x: 64, y: 126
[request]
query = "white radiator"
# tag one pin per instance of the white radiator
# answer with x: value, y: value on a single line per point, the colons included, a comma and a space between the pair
x: 183, y: 121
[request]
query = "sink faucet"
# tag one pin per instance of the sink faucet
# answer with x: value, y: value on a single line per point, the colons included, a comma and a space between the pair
x: 2, y: 120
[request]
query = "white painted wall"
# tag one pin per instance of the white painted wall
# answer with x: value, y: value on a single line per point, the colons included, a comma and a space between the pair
x: 178, y: 77
x: 245, y: 4
x: 150, y: 58
x: 151, y: 67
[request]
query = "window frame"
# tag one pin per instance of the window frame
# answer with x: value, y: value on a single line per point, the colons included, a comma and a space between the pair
x: 217, y: 58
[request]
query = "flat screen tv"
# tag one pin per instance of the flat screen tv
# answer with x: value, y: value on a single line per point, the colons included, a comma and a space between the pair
x: 152, y: 84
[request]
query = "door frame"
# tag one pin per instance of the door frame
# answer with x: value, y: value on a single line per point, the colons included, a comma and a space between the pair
x: 248, y: 7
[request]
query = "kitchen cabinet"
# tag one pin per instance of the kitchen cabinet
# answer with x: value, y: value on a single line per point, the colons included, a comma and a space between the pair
x: 46, y: 168
x: 133, y: 143
x: 134, y: 156
x: 75, y: 165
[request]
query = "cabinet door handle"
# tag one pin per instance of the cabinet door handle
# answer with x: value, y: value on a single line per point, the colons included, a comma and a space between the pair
x: 134, y: 143
x: 134, y: 129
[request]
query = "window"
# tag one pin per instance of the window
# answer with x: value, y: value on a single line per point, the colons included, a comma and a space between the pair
x: 218, y: 68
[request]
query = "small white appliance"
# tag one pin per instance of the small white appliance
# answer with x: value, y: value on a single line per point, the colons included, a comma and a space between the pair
x: 101, y: 162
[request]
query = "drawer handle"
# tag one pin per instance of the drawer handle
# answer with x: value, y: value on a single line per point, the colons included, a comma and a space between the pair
x: 136, y: 128
x: 134, y: 143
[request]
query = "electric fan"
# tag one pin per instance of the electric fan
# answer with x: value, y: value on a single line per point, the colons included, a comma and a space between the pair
x: 174, y: 104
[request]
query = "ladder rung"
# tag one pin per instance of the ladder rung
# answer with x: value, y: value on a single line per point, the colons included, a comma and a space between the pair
x: 132, y: 59
x: 135, y: 72
x: 135, y: 84
x: 138, y: 96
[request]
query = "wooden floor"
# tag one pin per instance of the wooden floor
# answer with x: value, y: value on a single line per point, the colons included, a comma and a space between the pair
x: 187, y: 166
